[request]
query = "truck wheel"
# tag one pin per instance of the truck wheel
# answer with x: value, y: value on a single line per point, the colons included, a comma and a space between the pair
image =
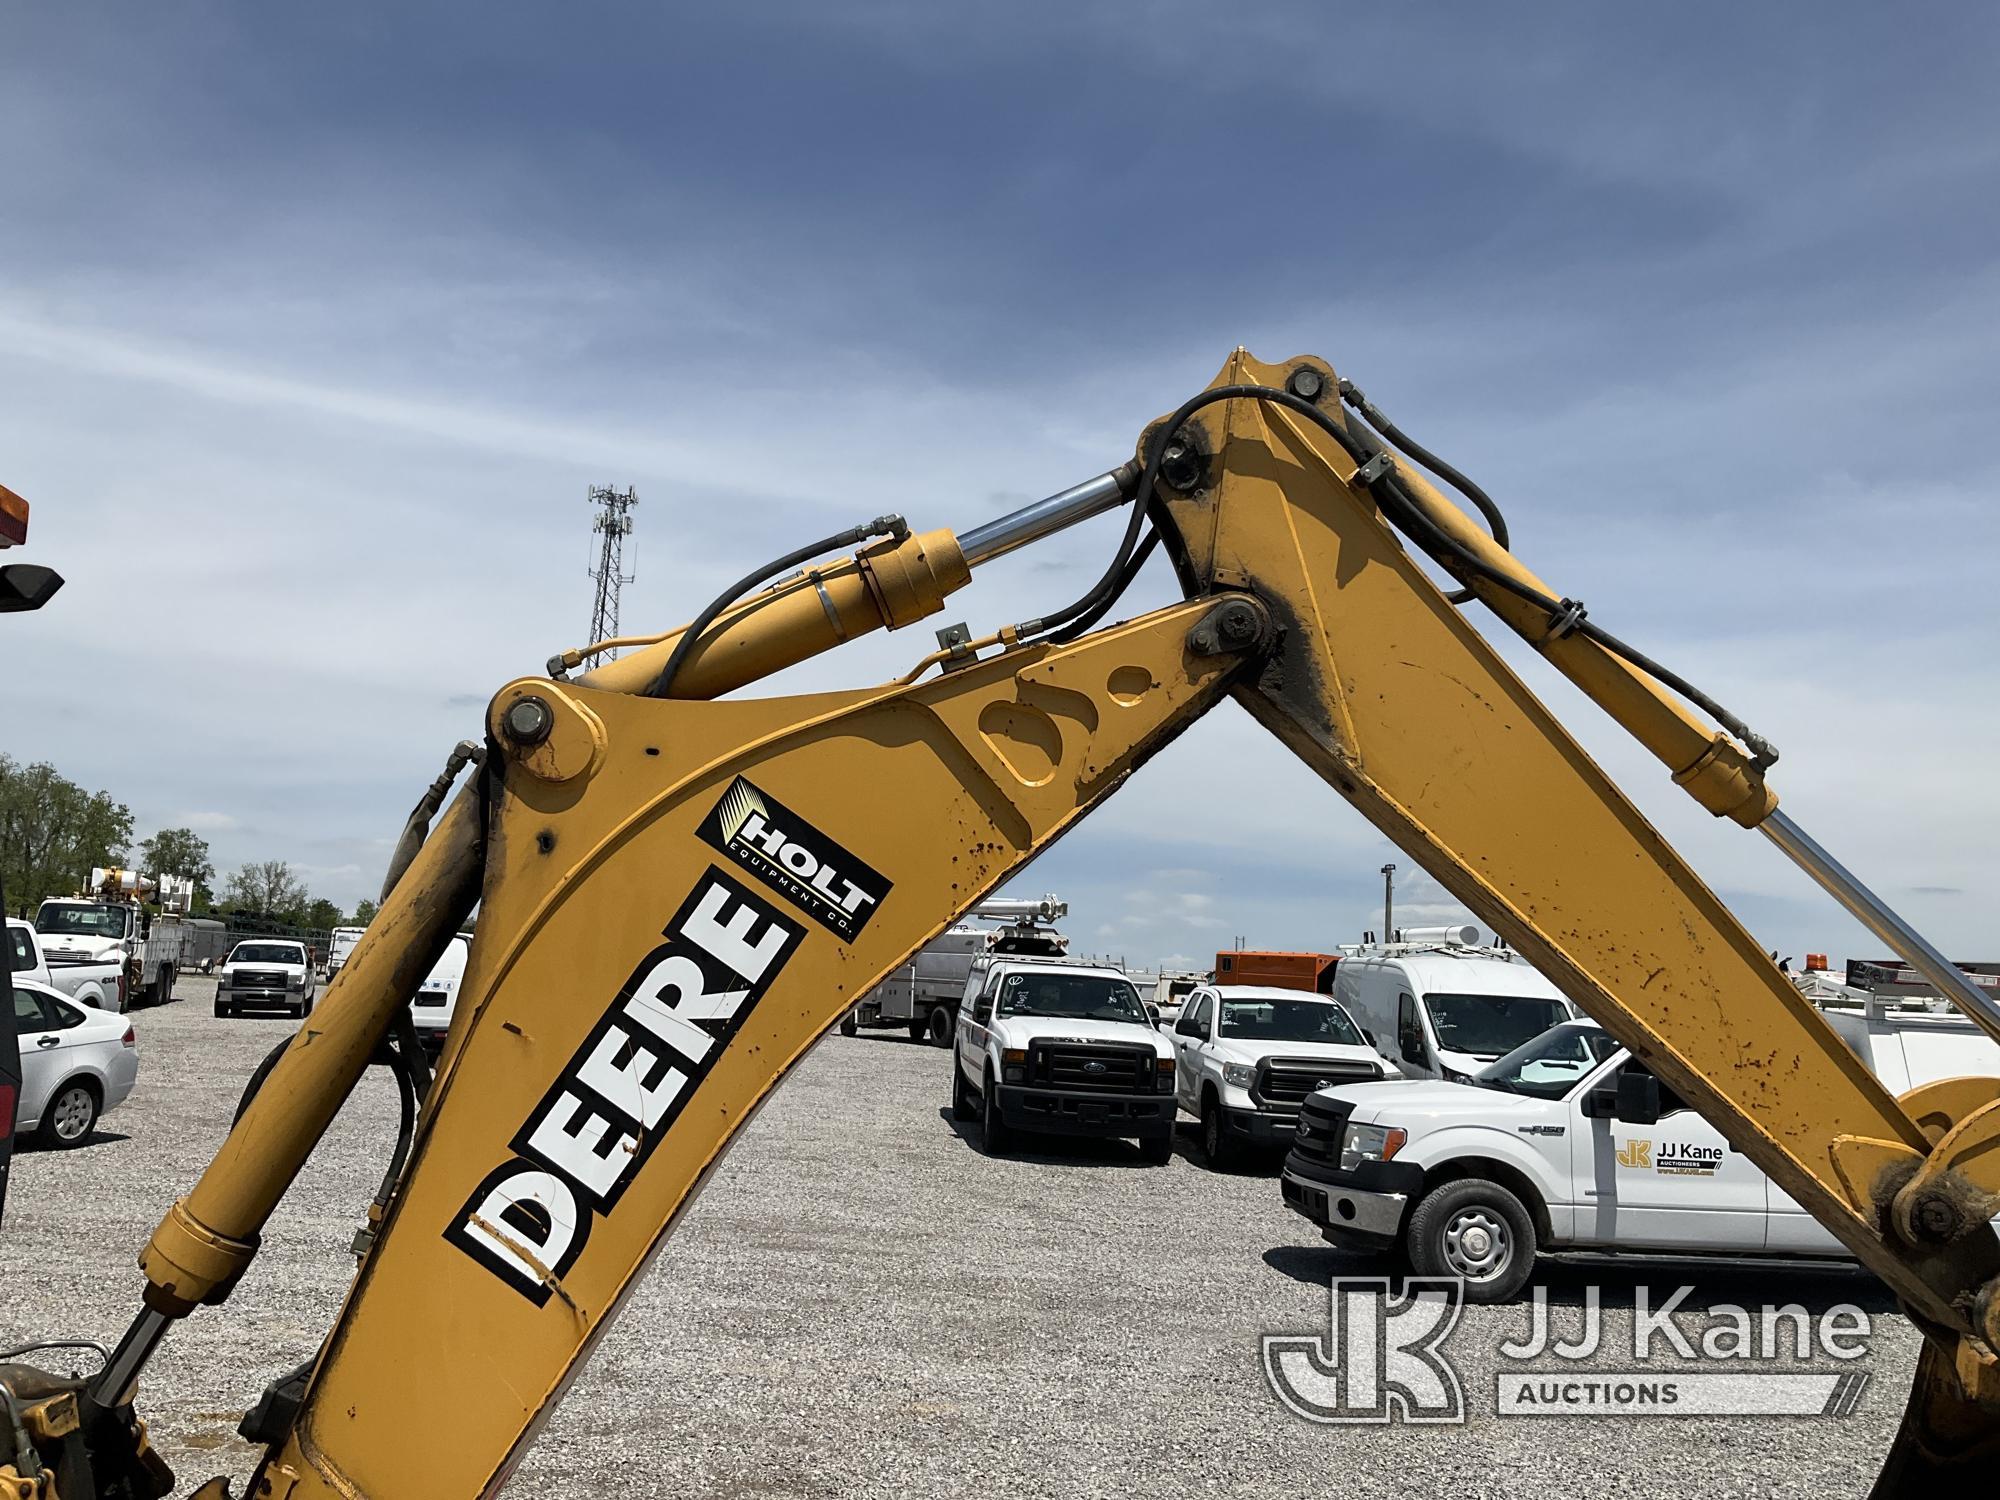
x: 70, y: 1117
x: 961, y: 1096
x: 1215, y: 1142
x: 994, y: 1136
x: 222, y: 1010
x: 1476, y: 1230
x: 1157, y: 1150
x: 940, y: 1027
x: 847, y: 1026
x: 917, y: 1030
x: 163, y: 988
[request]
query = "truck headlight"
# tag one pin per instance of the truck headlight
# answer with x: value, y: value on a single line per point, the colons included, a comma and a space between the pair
x: 1163, y: 1075
x: 1013, y: 1064
x: 296, y: 981
x: 1370, y: 1143
x: 1239, y: 1075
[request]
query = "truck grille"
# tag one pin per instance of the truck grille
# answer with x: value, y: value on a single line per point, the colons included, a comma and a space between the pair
x: 1284, y: 1082
x: 252, y: 979
x: 1080, y: 1065
x: 1322, y: 1124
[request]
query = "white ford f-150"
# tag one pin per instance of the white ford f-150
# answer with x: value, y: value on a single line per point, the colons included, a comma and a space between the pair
x: 101, y: 983
x: 1566, y: 1143
x: 1061, y: 1049
x: 265, y: 974
x: 1248, y: 1054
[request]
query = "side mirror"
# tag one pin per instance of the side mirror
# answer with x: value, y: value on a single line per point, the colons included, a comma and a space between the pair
x: 1638, y: 1098
x: 982, y: 1009
x: 1414, y: 1051
x: 1153, y: 1014
x: 1601, y: 1103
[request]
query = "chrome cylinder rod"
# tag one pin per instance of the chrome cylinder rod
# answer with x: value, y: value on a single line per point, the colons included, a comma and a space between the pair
x: 1033, y: 522
x: 1871, y: 912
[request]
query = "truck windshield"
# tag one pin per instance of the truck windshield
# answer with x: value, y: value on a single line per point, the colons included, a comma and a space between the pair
x: 1488, y: 1025
x: 266, y: 953
x: 1549, y: 1066
x: 1073, y: 997
x: 1298, y: 1020
x: 81, y: 921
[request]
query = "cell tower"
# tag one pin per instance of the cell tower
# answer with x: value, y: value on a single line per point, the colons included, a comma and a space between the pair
x: 613, y: 524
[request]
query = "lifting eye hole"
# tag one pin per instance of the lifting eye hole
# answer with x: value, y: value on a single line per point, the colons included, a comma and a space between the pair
x: 652, y: 749
x: 545, y: 841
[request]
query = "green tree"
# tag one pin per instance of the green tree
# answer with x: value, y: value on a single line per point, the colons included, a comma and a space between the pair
x: 52, y: 832
x: 181, y: 851
x: 364, y: 913
x: 270, y: 889
x: 321, y: 913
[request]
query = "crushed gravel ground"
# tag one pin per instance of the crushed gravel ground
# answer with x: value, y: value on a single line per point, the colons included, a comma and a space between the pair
x: 863, y: 1305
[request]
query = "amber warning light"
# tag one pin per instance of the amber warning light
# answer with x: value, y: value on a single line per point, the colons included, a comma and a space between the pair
x: 13, y: 518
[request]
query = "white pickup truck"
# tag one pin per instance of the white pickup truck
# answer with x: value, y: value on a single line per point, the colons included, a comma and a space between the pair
x: 1247, y: 1055
x: 1566, y: 1143
x: 265, y: 974
x: 97, y: 982
x: 1060, y: 1048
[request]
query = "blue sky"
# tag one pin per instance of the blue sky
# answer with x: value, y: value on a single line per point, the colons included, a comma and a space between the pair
x: 315, y: 325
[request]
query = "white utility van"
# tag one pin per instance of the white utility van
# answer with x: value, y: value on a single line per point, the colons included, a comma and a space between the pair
x: 1567, y: 1143
x: 1442, y: 1008
x: 437, y: 1000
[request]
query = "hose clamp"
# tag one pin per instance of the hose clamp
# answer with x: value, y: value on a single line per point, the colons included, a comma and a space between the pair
x: 1565, y: 623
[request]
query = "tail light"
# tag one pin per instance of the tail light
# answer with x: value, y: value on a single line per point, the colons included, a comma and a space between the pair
x: 131, y: 1037
x: 7, y: 1097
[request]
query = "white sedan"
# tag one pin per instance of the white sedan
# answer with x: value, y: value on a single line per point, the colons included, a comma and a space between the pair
x: 76, y: 1063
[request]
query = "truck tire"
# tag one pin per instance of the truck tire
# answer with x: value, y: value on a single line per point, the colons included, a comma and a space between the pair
x: 847, y: 1026
x: 222, y: 1010
x: 1475, y: 1230
x: 940, y: 1026
x: 961, y: 1095
x: 1157, y: 1150
x: 1216, y: 1145
x: 994, y: 1136
x: 70, y: 1117
x: 163, y: 987
x: 918, y: 1030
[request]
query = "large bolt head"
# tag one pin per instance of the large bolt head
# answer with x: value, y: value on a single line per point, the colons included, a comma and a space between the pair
x: 528, y: 721
x: 1306, y: 383
x: 1238, y: 624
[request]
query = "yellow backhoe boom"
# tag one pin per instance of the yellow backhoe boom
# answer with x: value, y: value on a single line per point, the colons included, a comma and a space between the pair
x: 679, y: 894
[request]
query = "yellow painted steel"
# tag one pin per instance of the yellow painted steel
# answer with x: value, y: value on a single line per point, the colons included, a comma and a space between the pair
x: 210, y: 1236
x: 950, y: 785
x: 589, y: 849
x: 1386, y: 689
x: 884, y: 586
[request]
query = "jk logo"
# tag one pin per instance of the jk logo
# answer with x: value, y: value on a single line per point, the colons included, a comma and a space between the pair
x: 1379, y: 1360
x: 1636, y: 1154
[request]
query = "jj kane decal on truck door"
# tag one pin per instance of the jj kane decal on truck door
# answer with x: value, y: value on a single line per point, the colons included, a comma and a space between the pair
x: 795, y: 859
x: 622, y: 1090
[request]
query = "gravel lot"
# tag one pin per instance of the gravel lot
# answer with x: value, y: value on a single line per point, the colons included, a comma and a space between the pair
x: 866, y: 1306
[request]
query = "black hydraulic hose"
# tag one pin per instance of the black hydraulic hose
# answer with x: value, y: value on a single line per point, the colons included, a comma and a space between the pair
x: 257, y: 1077
x: 1096, y: 612
x: 1376, y: 418
x: 406, y: 1121
x: 880, y: 526
x: 1566, y: 616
